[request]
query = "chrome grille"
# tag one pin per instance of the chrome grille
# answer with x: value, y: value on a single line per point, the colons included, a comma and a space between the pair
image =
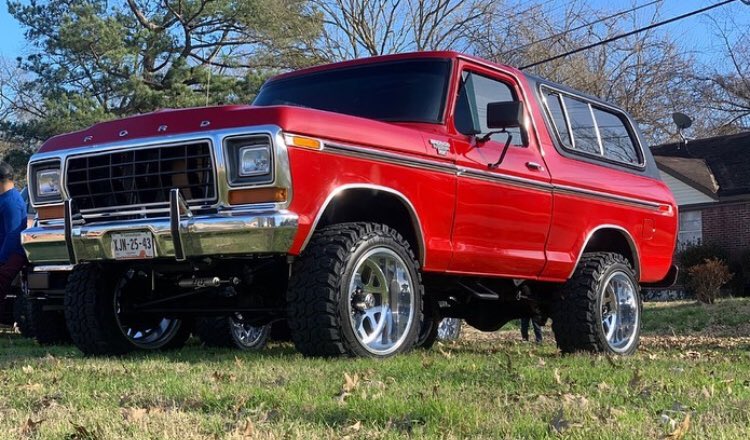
x: 139, y: 180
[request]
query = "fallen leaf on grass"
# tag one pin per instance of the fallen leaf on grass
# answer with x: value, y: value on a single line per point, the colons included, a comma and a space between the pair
x: 350, y: 382
x: 32, y: 387
x: 353, y: 428
x: 610, y: 361
x: 223, y: 377
x: 249, y: 431
x: 576, y: 400
x: 447, y: 354
x: 681, y: 429
x: 133, y: 415
x: 29, y: 427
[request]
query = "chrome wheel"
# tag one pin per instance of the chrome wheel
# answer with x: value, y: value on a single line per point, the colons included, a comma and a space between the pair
x: 381, y: 294
x: 620, y: 312
x: 248, y: 336
x: 449, y: 329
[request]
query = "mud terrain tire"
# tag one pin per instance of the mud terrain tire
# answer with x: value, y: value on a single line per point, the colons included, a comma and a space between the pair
x: 319, y: 305
x: 578, y: 317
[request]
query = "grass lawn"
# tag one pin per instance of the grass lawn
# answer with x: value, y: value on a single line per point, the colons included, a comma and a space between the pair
x: 694, y: 363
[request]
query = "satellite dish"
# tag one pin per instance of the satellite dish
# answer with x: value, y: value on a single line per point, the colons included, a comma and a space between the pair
x: 681, y: 120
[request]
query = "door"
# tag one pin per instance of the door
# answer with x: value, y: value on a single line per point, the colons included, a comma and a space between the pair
x: 503, y: 213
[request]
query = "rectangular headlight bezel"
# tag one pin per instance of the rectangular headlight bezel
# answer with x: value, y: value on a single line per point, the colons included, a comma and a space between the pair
x: 232, y: 148
x: 36, y: 171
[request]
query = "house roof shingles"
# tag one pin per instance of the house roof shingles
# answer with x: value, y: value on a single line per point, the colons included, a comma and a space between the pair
x: 718, y: 165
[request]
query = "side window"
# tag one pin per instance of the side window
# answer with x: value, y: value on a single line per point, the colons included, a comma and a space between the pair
x: 583, y: 126
x: 554, y: 104
x: 471, y: 107
x: 616, y: 140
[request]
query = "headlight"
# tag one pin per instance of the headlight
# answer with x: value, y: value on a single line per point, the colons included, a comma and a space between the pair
x: 48, y: 183
x: 45, y: 180
x: 254, y: 160
x: 249, y: 160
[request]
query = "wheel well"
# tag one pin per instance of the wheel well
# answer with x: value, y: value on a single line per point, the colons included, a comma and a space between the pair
x: 614, y: 240
x: 379, y: 206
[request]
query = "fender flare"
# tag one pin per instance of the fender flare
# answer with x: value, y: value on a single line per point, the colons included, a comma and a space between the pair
x: 628, y: 238
x: 414, y: 218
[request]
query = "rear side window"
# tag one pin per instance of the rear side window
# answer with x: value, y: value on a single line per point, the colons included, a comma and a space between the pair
x: 616, y: 140
x: 589, y: 129
x: 585, y: 137
x: 554, y: 104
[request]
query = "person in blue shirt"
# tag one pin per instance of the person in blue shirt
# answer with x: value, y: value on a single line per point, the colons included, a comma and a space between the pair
x: 12, y: 222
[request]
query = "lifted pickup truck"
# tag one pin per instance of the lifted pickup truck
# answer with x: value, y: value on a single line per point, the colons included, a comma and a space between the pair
x: 363, y: 202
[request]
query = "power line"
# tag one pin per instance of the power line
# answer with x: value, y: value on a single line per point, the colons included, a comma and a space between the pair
x: 536, y: 5
x: 585, y: 25
x: 633, y: 32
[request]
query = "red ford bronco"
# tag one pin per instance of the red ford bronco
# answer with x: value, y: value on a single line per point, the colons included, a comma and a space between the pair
x: 362, y: 202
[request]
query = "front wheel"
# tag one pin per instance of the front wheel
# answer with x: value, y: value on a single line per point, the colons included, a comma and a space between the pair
x: 101, y: 319
x: 357, y: 291
x: 600, y: 307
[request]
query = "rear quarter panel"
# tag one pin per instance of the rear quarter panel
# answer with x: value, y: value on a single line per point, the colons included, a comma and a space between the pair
x: 589, y: 195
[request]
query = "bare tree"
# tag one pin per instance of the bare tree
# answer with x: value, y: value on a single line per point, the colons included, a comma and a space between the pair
x: 356, y: 28
x: 725, y: 82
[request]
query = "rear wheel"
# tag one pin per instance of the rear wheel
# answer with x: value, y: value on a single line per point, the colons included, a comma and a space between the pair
x: 600, y: 307
x: 446, y: 329
x: 100, y: 318
x: 355, y: 291
x: 232, y: 332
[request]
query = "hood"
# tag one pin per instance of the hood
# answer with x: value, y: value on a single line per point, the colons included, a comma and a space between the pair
x: 303, y: 121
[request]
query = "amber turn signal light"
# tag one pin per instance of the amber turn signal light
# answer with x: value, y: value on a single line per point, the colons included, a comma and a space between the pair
x: 257, y: 195
x: 50, y: 212
x: 302, y: 142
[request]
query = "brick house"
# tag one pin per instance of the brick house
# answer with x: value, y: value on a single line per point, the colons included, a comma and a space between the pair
x: 710, y: 179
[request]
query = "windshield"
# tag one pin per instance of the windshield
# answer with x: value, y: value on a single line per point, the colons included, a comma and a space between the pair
x: 404, y: 91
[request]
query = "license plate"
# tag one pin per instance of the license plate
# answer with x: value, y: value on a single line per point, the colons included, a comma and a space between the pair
x: 132, y: 245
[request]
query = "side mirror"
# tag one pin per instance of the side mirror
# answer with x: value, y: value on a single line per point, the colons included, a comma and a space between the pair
x: 504, y: 115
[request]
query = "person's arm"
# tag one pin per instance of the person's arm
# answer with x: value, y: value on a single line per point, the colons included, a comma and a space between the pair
x: 14, y: 219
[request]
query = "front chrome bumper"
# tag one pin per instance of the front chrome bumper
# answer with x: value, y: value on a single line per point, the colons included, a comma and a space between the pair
x: 178, y: 237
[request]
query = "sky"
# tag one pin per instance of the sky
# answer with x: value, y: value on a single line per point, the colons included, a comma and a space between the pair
x: 696, y: 32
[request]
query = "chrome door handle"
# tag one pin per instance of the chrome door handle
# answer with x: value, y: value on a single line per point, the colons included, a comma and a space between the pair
x: 534, y: 166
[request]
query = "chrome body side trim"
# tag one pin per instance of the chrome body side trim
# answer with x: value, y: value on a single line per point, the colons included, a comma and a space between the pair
x: 449, y: 168
x: 405, y: 200
x: 607, y: 196
x: 628, y: 238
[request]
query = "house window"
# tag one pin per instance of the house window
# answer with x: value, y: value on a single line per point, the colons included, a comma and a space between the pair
x: 691, y: 229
